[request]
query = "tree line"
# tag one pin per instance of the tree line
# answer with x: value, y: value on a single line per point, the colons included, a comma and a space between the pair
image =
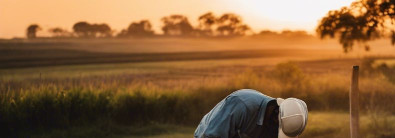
x: 209, y: 25
x: 362, y: 21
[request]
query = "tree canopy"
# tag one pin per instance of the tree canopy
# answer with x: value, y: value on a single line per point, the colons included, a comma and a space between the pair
x: 59, y: 32
x: 138, y: 29
x: 85, y: 29
x: 228, y: 24
x: 206, y: 24
x: 231, y: 25
x: 177, y: 25
x: 31, y: 31
x: 362, y: 21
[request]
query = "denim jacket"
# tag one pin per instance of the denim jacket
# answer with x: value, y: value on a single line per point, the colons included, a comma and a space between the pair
x: 241, y: 114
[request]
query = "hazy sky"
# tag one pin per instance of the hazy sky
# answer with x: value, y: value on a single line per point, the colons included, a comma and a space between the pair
x: 16, y: 15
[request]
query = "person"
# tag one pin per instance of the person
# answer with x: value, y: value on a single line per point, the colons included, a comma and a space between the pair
x: 248, y: 113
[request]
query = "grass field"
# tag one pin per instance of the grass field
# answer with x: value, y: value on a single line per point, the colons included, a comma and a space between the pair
x: 114, y: 88
x: 321, y: 124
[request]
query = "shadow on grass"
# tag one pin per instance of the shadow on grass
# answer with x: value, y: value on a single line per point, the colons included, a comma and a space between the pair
x: 114, y: 130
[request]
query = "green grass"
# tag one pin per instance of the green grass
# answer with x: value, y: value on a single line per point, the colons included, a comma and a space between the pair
x: 116, y: 131
x: 336, y: 124
x: 320, y: 124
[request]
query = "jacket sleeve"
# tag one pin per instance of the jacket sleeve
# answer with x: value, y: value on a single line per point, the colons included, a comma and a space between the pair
x: 224, y: 120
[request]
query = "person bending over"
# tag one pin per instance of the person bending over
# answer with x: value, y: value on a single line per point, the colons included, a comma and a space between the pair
x: 248, y: 113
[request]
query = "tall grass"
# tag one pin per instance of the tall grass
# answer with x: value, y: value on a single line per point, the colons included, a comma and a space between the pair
x: 27, y: 106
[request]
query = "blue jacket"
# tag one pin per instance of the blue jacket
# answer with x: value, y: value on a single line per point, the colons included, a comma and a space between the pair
x: 240, y: 114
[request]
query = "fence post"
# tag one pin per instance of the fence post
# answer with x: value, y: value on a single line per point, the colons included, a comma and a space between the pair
x: 354, y: 103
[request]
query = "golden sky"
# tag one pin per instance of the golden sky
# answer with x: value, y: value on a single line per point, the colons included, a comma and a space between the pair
x: 16, y: 15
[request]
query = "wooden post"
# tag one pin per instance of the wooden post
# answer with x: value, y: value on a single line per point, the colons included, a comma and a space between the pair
x: 354, y: 105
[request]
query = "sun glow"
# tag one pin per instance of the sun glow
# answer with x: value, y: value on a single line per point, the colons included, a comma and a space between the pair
x: 16, y: 15
x: 287, y: 14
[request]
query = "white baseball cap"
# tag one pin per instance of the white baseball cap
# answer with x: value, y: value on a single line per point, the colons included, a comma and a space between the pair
x: 292, y: 117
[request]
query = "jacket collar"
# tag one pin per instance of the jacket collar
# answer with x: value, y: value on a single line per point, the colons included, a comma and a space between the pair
x: 262, y: 109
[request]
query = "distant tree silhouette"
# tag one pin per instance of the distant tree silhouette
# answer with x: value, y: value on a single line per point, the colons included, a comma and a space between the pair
x: 362, y: 21
x: 101, y: 30
x: 138, y: 29
x: 84, y: 29
x: 230, y: 24
x: 59, y: 32
x: 31, y: 31
x: 177, y: 25
x: 267, y: 33
x: 206, y: 24
x: 297, y: 33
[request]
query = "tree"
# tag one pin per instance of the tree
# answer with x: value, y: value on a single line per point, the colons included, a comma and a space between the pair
x: 177, y: 25
x: 138, y: 29
x: 231, y: 25
x: 31, y: 31
x: 101, y: 30
x: 267, y: 33
x: 59, y: 32
x: 82, y: 29
x: 297, y: 33
x: 360, y: 22
x: 206, y: 23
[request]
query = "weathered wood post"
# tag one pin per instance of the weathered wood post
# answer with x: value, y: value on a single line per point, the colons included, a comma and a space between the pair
x: 354, y: 105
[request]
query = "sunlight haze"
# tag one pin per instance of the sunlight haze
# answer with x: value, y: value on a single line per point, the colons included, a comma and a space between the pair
x: 195, y: 68
x: 16, y: 15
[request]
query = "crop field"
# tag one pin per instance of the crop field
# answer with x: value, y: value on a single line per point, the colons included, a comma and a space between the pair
x: 163, y: 87
x: 321, y: 124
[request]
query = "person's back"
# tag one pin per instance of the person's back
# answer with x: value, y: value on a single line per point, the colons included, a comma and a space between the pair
x: 244, y: 113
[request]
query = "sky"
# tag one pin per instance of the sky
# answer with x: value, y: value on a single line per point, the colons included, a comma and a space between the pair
x: 276, y: 15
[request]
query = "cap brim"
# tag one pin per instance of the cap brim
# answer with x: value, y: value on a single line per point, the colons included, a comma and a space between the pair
x: 282, y: 135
